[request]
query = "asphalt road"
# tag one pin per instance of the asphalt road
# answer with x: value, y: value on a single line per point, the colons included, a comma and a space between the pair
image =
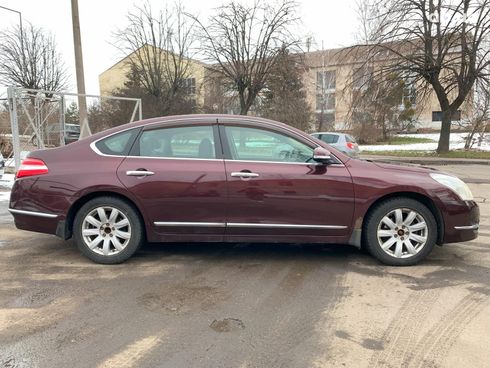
x: 215, y: 305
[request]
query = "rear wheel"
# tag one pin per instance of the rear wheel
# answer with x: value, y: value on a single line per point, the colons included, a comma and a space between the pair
x: 108, y: 230
x: 400, y: 232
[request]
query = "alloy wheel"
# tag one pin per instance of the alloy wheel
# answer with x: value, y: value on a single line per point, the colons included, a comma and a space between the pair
x: 106, y: 230
x: 402, y: 233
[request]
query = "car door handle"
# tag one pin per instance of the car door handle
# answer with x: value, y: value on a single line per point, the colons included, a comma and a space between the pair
x: 244, y: 174
x: 139, y: 173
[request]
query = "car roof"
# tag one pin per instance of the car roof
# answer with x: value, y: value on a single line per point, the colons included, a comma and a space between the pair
x: 190, y: 119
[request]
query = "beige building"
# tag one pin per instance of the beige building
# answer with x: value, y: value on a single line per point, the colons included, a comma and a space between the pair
x: 115, y: 76
x: 328, y: 79
x: 330, y: 84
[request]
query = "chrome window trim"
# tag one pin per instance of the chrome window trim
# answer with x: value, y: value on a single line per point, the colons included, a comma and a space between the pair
x: 287, y: 163
x: 177, y: 158
x: 248, y: 224
x: 276, y: 162
x: 32, y: 213
x: 468, y: 227
x: 306, y: 137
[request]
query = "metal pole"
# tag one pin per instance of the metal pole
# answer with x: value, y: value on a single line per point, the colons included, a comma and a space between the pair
x: 77, y: 41
x: 62, y: 121
x: 21, y: 35
x: 14, y: 125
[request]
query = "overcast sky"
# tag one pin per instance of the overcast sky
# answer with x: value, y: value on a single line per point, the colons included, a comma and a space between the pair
x: 333, y: 21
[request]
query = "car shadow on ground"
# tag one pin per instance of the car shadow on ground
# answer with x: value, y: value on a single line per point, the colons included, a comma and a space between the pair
x: 249, y: 251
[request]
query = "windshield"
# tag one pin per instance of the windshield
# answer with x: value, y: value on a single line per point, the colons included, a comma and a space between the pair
x: 72, y: 128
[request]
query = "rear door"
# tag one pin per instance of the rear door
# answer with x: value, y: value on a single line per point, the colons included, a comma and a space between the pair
x: 177, y: 173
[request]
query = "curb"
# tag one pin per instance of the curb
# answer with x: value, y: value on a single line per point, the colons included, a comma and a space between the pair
x: 428, y: 160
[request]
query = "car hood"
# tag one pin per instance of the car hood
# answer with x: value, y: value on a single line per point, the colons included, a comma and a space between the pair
x: 402, y: 166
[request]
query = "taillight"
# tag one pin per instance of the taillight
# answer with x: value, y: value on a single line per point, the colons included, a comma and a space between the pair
x: 350, y: 145
x: 31, y: 167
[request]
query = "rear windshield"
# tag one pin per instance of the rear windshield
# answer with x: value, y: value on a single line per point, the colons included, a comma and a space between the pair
x: 350, y: 138
x: 329, y: 138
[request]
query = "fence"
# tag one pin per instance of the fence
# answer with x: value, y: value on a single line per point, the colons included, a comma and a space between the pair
x: 45, y: 119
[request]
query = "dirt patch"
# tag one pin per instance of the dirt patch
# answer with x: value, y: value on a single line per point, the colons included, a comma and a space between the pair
x: 227, y: 325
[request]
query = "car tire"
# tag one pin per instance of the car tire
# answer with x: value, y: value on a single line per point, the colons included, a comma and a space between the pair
x: 400, y: 231
x: 108, y: 230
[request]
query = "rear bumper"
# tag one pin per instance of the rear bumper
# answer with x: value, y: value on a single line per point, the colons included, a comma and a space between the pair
x: 36, y: 209
x: 41, y: 222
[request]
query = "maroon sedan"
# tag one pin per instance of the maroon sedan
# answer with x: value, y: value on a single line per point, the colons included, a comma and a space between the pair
x: 215, y: 178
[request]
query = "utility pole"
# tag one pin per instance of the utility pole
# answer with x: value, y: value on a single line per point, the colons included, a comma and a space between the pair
x: 77, y: 41
x: 21, y: 35
x: 320, y: 128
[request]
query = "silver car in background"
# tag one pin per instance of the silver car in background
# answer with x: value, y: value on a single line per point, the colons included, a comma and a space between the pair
x: 343, y: 142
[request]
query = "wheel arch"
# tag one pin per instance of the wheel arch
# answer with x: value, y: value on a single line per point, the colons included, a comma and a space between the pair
x: 425, y: 200
x: 67, y: 228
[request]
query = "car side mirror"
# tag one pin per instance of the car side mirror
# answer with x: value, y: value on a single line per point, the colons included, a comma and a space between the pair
x: 322, y: 155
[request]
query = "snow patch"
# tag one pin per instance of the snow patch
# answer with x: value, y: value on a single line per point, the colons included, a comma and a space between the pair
x: 456, y: 141
x: 7, y: 181
x: 4, y: 196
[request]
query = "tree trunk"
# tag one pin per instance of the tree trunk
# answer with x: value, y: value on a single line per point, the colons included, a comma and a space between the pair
x: 243, y: 103
x: 443, y: 146
x: 244, y: 110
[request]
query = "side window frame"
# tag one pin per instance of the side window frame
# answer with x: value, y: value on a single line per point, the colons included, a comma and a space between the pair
x: 218, y: 146
x: 129, y: 144
x: 227, y: 150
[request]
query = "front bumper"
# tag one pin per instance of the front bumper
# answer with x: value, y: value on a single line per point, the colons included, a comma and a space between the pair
x: 461, y: 220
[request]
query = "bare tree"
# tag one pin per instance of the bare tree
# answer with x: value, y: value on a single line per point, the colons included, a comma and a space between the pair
x: 479, y: 116
x: 441, y: 43
x: 29, y: 58
x: 244, y: 41
x: 159, y: 44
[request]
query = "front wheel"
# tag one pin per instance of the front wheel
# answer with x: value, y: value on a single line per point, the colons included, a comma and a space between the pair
x: 108, y: 230
x: 400, y: 232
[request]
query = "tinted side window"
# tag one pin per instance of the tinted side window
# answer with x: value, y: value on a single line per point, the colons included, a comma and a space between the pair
x: 181, y: 142
x: 330, y: 138
x: 254, y: 144
x: 117, y: 144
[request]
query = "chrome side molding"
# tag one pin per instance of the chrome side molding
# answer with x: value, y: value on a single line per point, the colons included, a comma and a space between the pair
x: 199, y: 224
x: 285, y: 226
x: 249, y: 225
x: 468, y: 227
x: 32, y: 213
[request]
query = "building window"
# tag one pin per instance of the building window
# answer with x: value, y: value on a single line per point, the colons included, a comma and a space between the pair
x: 325, y: 102
x: 409, y: 90
x: 189, y: 85
x: 325, y: 80
x: 362, y: 77
x: 437, y: 116
x: 325, y: 90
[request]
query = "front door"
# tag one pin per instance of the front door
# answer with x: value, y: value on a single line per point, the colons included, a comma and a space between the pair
x: 276, y: 190
x: 179, y: 180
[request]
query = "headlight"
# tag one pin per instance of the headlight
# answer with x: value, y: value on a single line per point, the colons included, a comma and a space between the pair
x: 455, y: 184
